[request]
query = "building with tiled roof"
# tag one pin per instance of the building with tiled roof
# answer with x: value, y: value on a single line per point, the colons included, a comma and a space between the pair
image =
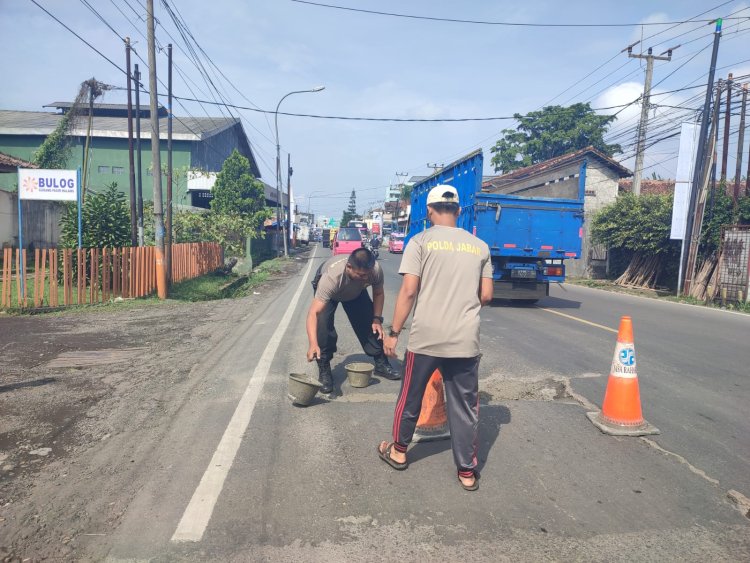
x: 10, y: 163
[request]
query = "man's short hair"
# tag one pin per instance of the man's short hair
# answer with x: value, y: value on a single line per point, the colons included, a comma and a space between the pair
x: 362, y: 259
x: 444, y: 207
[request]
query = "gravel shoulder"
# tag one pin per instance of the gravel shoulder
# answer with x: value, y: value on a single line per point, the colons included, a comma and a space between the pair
x: 77, y: 391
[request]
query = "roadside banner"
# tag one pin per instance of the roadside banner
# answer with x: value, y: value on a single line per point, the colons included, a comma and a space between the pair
x: 683, y: 179
x: 50, y: 185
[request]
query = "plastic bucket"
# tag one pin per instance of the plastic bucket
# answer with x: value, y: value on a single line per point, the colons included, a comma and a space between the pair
x: 359, y: 373
x: 302, y: 389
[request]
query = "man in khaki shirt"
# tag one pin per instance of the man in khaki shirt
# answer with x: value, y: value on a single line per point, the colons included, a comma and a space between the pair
x: 345, y: 279
x: 447, y: 273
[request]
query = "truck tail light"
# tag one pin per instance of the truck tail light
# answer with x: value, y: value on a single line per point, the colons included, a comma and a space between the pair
x: 553, y: 270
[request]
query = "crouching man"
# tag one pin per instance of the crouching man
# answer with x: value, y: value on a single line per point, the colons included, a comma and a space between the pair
x: 344, y: 279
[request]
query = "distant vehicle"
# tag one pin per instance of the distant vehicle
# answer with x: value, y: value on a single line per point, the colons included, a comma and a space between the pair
x: 396, y: 243
x: 326, y: 238
x: 347, y: 240
x: 303, y: 234
x: 529, y: 237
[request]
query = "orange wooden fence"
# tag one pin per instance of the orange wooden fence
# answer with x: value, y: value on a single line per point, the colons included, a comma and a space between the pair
x: 101, y: 274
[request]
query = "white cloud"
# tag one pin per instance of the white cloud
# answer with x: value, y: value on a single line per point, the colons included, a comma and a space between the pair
x: 646, y: 30
x: 619, y: 95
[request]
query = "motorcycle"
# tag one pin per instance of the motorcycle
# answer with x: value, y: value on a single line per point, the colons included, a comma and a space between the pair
x: 373, y: 248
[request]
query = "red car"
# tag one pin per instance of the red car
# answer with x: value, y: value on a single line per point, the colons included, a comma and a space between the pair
x: 396, y: 243
x: 347, y: 240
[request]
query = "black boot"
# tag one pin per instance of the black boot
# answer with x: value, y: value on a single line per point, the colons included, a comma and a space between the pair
x: 383, y: 368
x: 325, y: 376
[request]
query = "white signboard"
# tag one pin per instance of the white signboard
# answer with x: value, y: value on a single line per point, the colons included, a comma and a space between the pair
x: 58, y: 185
x: 684, y: 179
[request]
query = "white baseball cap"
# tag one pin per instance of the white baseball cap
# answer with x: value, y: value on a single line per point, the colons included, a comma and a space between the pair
x: 442, y: 193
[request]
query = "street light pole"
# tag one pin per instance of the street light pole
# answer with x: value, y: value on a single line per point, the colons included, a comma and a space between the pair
x: 279, y: 203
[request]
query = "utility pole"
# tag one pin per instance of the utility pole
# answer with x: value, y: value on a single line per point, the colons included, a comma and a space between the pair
x: 727, y: 124
x: 290, y: 222
x: 138, y: 153
x: 435, y: 167
x: 161, y: 279
x: 698, y: 170
x: 740, y: 144
x: 131, y: 164
x: 645, y: 107
x: 169, y: 165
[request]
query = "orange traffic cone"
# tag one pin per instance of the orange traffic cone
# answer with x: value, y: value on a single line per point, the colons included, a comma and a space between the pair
x: 432, y: 423
x: 621, y: 410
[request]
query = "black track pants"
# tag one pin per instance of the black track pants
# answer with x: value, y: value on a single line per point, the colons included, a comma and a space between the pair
x: 360, y: 312
x: 461, y: 381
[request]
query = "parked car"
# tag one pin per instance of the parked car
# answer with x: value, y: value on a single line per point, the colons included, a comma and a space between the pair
x: 347, y: 241
x: 396, y: 243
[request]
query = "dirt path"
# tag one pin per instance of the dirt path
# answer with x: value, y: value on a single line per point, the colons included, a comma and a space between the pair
x: 76, y: 390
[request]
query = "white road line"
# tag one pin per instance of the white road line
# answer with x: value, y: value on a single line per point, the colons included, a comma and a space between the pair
x: 198, y: 512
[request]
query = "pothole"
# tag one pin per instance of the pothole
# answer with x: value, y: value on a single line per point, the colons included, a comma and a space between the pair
x: 505, y: 389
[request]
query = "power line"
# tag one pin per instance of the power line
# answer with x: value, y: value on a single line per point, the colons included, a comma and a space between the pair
x: 485, y: 22
x: 105, y: 57
x: 385, y: 119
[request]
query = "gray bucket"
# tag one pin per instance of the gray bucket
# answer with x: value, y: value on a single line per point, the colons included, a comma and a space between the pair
x: 359, y: 373
x: 302, y: 389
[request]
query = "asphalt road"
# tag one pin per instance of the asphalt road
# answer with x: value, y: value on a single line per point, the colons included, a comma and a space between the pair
x: 245, y: 476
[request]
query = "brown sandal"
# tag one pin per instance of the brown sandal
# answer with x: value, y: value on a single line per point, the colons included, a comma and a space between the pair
x: 474, y: 486
x: 385, y: 455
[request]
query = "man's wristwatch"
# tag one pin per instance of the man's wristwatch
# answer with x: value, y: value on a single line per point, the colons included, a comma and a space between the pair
x: 394, y: 333
x: 379, y: 319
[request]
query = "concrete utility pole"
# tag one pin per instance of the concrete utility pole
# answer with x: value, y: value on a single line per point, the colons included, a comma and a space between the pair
x: 727, y: 124
x: 131, y: 164
x: 740, y: 144
x: 139, y: 185
x: 645, y: 106
x: 698, y: 170
x: 169, y: 165
x: 161, y: 277
x: 290, y: 222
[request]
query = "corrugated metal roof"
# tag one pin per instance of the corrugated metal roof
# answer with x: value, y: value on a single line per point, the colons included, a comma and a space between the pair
x: 106, y: 109
x: 14, y: 122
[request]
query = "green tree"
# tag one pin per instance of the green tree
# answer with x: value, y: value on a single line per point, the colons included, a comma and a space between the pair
x: 236, y: 190
x: 351, y: 212
x: 636, y: 223
x: 105, y: 220
x: 551, y: 132
x: 405, y: 194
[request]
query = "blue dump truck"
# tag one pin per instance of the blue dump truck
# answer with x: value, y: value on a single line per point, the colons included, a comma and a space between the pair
x: 531, y: 228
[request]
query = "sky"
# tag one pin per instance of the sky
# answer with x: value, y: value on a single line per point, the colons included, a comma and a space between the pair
x: 382, y: 66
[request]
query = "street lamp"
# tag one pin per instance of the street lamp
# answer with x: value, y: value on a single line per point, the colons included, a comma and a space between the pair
x: 279, y: 205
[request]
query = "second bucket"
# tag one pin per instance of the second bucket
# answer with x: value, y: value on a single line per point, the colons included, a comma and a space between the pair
x: 359, y: 373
